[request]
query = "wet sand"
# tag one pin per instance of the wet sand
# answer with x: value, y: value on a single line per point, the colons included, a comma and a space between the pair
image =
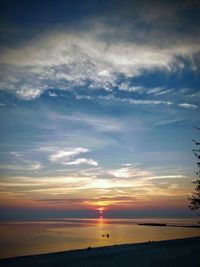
x: 180, y: 252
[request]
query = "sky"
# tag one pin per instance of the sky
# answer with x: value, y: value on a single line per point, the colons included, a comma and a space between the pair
x: 98, y: 104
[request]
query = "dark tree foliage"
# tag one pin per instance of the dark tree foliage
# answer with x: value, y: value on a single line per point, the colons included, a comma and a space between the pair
x: 195, y: 198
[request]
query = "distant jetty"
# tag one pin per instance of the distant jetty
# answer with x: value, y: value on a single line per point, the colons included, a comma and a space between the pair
x: 153, y: 224
x: 169, y: 225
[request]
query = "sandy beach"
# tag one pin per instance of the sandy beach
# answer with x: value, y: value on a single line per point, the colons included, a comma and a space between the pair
x: 180, y: 252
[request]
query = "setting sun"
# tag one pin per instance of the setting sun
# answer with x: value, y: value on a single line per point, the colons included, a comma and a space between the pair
x: 101, y: 210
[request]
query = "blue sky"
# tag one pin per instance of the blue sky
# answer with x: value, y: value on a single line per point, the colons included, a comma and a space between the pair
x: 98, y: 105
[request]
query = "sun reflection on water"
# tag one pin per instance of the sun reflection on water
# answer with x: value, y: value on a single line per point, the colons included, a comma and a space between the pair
x: 101, y: 221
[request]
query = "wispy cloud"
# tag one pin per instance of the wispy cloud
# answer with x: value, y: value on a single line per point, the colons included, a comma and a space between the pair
x: 169, y: 121
x: 53, y: 94
x: 167, y: 176
x: 36, y: 166
x: 188, y: 106
x: 128, y: 100
x: 81, y: 161
x: 129, y: 88
x: 147, y: 102
x: 97, y: 122
x: 27, y: 166
x: 67, y: 155
x: 127, y: 172
x: 158, y: 91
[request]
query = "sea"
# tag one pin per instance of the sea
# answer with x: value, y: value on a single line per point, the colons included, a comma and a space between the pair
x: 19, y: 238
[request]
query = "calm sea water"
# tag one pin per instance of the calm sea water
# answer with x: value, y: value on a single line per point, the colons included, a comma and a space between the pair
x: 34, y: 237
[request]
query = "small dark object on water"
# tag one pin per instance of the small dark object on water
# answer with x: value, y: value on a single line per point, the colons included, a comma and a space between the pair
x: 108, y: 236
x: 88, y: 248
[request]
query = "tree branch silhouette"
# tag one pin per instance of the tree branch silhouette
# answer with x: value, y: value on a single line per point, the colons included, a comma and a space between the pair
x: 195, y: 198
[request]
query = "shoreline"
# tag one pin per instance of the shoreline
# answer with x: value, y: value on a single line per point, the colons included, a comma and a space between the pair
x: 177, y: 252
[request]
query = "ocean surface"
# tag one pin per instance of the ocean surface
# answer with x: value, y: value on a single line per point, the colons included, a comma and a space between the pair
x: 19, y: 238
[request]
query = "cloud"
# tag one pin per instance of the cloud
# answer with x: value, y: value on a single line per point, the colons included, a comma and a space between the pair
x: 146, y: 102
x: 67, y: 155
x: 126, y: 99
x: 188, y: 106
x: 27, y: 166
x: 128, y: 172
x: 53, y: 94
x: 17, y: 154
x: 175, y: 176
x: 81, y: 161
x: 99, y: 123
x: 28, y: 91
x: 36, y: 166
x: 127, y: 87
x: 159, y: 91
x: 94, y: 57
x: 169, y: 121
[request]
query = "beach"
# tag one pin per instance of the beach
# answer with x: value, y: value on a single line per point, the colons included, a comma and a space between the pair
x: 178, y: 252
